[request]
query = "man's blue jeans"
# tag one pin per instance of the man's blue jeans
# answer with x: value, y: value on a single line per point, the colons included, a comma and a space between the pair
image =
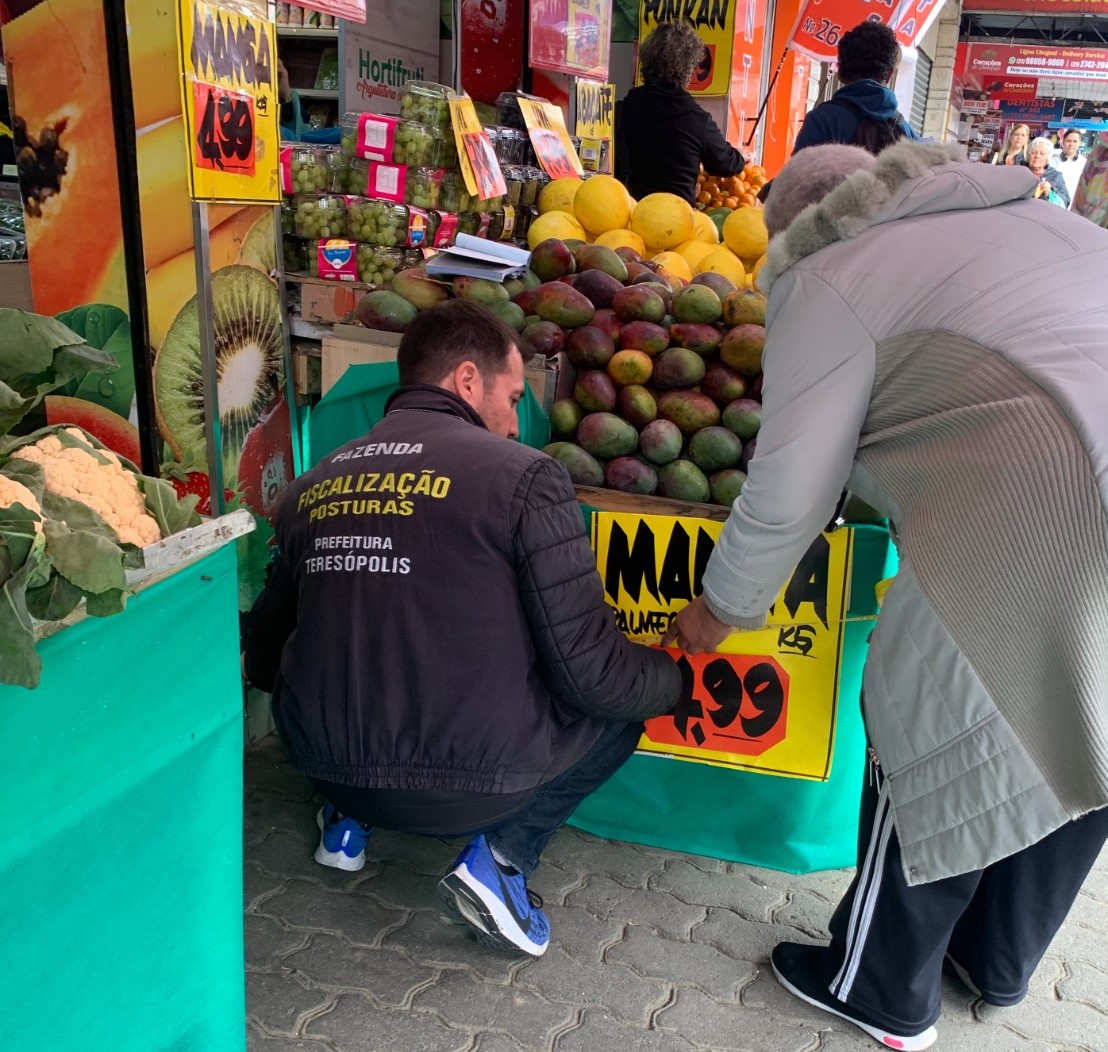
x: 521, y: 839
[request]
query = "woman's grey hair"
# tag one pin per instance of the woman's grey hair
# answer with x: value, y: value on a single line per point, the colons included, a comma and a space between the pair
x: 670, y: 54
x: 809, y: 177
x: 1041, y: 140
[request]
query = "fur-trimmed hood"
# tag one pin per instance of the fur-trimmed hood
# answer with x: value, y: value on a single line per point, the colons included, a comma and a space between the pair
x: 908, y: 179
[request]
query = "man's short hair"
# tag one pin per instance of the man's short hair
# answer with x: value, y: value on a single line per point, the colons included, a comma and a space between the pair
x: 1072, y: 131
x: 457, y: 331
x: 869, y: 51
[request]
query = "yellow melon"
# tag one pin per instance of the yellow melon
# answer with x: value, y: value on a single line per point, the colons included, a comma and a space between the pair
x: 704, y: 229
x: 744, y: 232
x: 674, y: 264
x: 758, y: 270
x: 694, y: 251
x: 561, y: 225
x: 724, y: 261
x: 557, y: 196
x: 614, y: 239
x: 663, y: 221
x: 601, y: 205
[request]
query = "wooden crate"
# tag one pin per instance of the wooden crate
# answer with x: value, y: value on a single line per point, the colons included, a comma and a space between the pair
x: 614, y: 500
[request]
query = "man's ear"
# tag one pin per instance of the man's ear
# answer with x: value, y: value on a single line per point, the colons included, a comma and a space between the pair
x: 467, y: 382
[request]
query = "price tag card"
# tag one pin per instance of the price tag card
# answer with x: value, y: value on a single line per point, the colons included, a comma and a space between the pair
x: 476, y: 157
x: 224, y: 122
x: 285, y: 167
x: 550, y: 139
x: 387, y: 182
x: 596, y: 107
x: 448, y: 230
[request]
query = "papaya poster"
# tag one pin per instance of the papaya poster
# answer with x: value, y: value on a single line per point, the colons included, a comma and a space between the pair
x: 57, y: 62
x: 767, y: 701
x: 714, y: 22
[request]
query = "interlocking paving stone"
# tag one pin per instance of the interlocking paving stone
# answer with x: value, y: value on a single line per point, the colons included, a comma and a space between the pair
x: 557, y: 977
x: 387, y: 976
x: 362, y: 920
x: 684, y: 941
x: 598, y: 1032
x: 474, y: 1005
x: 432, y: 939
x: 277, y: 1001
x: 682, y: 963
x: 729, y: 1027
x: 581, y: 934
x: 270, y: 943
x: 733, y: 891
x: 606, y: 899
x: 259, y: 1042
x: 357, y: 1025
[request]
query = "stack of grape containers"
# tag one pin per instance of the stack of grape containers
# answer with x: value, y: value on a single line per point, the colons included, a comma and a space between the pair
x: 392, y: 193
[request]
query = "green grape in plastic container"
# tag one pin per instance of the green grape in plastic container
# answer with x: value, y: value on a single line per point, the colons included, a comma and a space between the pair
x: 414, y: 145
x: 320, y: 216
x: 378, y: 222
x: 311, y: 168
x: 378, y: 264
x: 427, y: 103
x: 422, y: 187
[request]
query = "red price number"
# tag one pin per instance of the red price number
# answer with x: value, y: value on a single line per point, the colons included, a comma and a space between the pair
x: 224, y: 122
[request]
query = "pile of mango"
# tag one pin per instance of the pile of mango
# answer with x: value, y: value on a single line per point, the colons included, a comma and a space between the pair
x: 667, y: 396
x: 667, y: 372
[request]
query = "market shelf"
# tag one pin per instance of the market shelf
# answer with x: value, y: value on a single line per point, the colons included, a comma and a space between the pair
x: 317, y: 93
x: 307, y: 32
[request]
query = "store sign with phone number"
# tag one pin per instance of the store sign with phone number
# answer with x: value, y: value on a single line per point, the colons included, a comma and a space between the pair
x: 229, y: 66
x: 767, y: 701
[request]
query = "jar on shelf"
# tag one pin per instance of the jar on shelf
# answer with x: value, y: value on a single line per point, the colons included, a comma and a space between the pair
x: 427, y: 103
x: 514, y: 179
x: 295, y: 254
x: 320, y: 216
x: 490, y: 204
x: 470, y: 223
x: 311, y: 169
x: 532, y: 184
x: 378, y: 222
x: 513, y: 144
x: 378, y: 264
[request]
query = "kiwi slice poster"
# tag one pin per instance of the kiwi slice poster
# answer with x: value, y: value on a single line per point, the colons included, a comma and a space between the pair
x: 66, y: 155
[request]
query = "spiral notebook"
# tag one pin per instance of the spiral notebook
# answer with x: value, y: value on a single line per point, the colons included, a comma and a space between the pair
x: 475, y: 257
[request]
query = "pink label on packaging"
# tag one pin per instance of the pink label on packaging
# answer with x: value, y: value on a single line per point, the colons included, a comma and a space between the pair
x: 483, y: 226
x: 284, y: 161
x: 448, y: 230
x: 387, y: 182
x: 337, y: 260
x: 376, y: 136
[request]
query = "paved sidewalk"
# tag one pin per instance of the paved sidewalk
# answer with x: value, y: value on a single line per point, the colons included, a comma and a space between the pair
x: 651, y: 951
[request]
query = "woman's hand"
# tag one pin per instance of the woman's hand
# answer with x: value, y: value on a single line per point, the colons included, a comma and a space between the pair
x: 696, y: 629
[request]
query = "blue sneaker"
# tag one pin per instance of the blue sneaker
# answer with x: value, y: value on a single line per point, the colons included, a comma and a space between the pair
x: 342, y: 840
x: 495, y: 901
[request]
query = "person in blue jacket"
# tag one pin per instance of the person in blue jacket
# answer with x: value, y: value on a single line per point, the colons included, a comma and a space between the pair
x: 863, y: 112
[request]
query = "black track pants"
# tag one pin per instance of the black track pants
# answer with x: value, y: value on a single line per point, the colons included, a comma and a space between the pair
x: 888, y: 940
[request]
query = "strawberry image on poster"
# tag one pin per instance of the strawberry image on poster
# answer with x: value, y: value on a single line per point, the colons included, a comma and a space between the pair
x: 265, y: 466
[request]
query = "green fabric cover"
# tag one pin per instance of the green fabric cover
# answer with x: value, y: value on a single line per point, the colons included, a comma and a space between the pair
x: 357, y: 402
x: 121, y: 828
x: 781, y: 823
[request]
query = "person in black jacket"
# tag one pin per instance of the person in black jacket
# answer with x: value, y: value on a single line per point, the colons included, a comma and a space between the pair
x: 434, y: 632
x: 662, y: 135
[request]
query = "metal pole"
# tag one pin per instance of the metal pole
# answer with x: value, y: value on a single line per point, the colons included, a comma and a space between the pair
x: 209, y: 372
x: 765, y: 101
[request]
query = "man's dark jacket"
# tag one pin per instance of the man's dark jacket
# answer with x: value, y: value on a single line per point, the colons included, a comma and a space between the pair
x: 831, y: 122
x: 663, y: 137
x: 437, y: 614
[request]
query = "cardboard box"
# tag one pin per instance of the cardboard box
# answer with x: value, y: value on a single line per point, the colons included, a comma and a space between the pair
x: 327, y: 302
x: 355, y: 345
x: 307, y: 366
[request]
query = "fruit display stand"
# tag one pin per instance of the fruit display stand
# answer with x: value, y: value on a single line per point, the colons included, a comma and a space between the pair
x: 737, y: 806
x: 120, y: 824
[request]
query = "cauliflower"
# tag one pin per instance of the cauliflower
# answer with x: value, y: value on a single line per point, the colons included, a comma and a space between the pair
x: 13, y: 492
x: 109, y: 489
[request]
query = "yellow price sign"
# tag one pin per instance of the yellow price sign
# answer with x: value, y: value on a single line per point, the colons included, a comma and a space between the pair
x: 596, y: 109
x: 550, y: 139
x: 767, y: 701
x: 229, y: 94
x: 476, y: 157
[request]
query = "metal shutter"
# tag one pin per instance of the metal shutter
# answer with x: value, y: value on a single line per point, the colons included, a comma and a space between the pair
x: 919, y: 92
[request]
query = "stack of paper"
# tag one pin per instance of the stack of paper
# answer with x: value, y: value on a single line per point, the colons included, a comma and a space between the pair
x: 477, y: 258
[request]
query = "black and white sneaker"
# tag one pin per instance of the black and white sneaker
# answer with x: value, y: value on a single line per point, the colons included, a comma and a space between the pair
x: 797, y: 968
